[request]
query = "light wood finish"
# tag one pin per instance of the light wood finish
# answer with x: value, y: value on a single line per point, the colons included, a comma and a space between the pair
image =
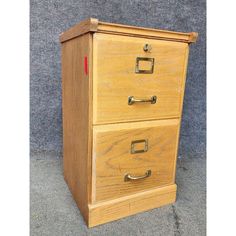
x: 112, y: 157
x: 103, y: 212
x: 86, y: 26
x: 182, y: 101
x: 93, y: 25
x: 114, y: 77
x: 119, y: 29
x: 76, y: 119
x: 98, y: 75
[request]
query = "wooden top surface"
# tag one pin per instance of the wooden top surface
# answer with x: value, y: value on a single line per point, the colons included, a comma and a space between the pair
x: 93, y: 25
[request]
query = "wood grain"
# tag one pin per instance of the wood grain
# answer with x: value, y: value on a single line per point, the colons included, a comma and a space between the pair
x: 114, y: 77
x: 128, y: 30
x: 76, y: 119
x: 99, y: 125
x: 93, y: 25
x: 107, y: 211
x: 112, y: 158
x: 86, y: 26
x: 181, y: 104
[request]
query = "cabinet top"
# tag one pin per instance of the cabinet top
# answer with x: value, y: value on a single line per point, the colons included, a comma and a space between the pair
x: 94, y: 25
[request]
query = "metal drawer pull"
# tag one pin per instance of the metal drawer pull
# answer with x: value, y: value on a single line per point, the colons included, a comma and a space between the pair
x: 129, y: 177
x: 132, y: 100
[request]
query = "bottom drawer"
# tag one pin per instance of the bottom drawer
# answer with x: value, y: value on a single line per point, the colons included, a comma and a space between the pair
x: 133, y: 157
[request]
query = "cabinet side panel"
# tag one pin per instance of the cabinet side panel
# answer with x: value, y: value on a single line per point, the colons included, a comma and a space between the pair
x: 181, y: 103
x: 76, y: 55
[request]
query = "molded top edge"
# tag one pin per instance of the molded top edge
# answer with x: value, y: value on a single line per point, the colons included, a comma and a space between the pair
x: 93, y: 25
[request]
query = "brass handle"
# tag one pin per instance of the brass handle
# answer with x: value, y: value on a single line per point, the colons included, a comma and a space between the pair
x: 129, y: 177
x: 132, y: 100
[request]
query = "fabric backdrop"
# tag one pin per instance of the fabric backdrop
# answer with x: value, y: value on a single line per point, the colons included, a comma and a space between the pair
x: 51, y: 17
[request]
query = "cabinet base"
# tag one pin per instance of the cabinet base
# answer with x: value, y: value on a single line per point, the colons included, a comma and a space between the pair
x: 111, y: 210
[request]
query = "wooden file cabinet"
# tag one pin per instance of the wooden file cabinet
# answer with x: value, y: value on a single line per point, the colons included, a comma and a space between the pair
x: 123, y: 90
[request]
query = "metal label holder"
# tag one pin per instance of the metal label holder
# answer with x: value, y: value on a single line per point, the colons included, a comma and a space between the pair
x: 145, y: 149
x: 150, y: 71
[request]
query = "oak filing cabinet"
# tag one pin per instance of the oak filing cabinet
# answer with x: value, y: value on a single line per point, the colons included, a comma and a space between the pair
x: 123, y: 90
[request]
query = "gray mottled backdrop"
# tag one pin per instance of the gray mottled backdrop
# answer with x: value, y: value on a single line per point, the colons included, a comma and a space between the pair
x: 51, y: 17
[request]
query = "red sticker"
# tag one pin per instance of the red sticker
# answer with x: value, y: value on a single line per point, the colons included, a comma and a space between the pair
x: 86, y: 65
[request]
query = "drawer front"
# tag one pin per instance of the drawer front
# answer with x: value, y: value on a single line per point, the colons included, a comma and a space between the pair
x: 124, y: 73
x: 124, y: 152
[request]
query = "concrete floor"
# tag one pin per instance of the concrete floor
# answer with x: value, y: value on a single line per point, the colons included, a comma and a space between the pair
x: 54, y: 212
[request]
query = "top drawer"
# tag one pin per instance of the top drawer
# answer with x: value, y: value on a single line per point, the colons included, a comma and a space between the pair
x: 127, y: 79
